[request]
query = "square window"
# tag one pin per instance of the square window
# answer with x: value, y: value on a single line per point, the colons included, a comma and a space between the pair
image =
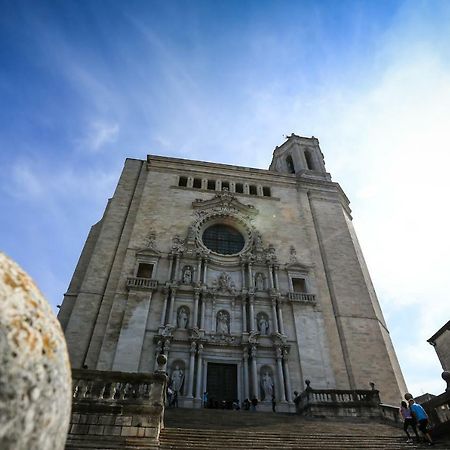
x: 145, y: 270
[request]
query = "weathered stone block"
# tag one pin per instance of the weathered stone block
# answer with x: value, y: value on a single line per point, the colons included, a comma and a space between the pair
x: 96, y: 429
x: 112, y: 430
x: 123, y: 420
x: 107, y: 420
x: 79, y: 429
x: 129, y: 431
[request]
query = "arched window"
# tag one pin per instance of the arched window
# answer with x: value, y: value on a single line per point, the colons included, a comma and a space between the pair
x: 290, y: 164
x: 309, y: 160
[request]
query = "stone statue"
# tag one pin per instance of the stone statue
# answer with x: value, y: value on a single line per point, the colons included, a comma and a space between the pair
x: 225, y: 283
x: 223, y: 322
x: 293, y: 255
x: 177, y: 379
x: 267, y: 385
x: 263, y: 324
x: 183, y: 317
x: 259, y: 281
x: 187, y: 275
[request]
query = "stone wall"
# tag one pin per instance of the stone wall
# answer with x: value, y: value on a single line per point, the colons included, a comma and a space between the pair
x: 116, y: 407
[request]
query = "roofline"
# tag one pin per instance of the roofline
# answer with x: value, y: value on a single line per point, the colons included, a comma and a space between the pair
x: 441, y: 330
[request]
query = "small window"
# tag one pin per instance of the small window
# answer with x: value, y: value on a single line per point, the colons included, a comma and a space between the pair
x: 239, y: 188
x: 145, y: 270
x: 182, y: 181
x: 266, y: 191
x: 211, y: 185
x: 225, y: 185
x: 252, y: 190
x: 299, y: 284
x: 197, y: 183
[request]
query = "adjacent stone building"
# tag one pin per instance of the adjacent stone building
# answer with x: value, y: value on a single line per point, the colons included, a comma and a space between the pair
x: 250, y: 281
x: 441, y: 343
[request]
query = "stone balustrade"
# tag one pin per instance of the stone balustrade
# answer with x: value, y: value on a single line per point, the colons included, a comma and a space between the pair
x: 438, y: 410
x: 333, y: 402
x: 302, y: 297
x: 141, y: 283
x: 115, y: 407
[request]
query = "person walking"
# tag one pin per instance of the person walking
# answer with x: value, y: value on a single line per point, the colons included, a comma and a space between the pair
x: 408, y: 421
x: 421, y: 417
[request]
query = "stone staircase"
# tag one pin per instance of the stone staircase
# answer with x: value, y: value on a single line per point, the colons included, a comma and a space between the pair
x: 217, y: 429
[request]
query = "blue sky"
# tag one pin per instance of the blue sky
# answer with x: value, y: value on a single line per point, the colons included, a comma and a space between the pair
x: 83, y: 85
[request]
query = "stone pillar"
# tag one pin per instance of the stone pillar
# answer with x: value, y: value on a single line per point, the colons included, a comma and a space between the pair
x: 213, y: 316
x: 280, y: 384
x: 244, y: 314
x: 287, y: 377
x: 274, y: 315
x: 169, y: 275
x: 246, y: 379
x: 163, y: 312
x: 199, y: 270
x: 271, y: 276
x: 254, y: 372
x: 277, y: 283
x: 252, y: 313
x: 205, y: 270
x: 195, y: 314
x: 280, y: 317
x: 250, y: 275
x: 177, y: 267
x: 171, y: 317
x: 202, y: 313
x: 243, y: 275
x: 190, y: 392
x: 198, y: 388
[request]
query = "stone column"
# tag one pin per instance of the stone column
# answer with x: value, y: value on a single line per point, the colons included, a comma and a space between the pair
x: 281, y: 392
x: 190, y: 392
x: 244, y: 313
x: 171, y: 317
x: 199, y: 270
x: 195, y: 313
x: 280, y: 317
x: 177, y: 267
x: 271, y: 276
x: 243, y: 275
x: 205, y: 271
x: 246, y: 379
x: 213, y: 316
x: 198, y: 388
x: 169, y: 277
x: 250, y: 275
x: 254, y: 372
x: 274, y: 315
x: 277, y: 283
x: 252, y: 313
x: 202, y: 312
x: 287, y: 378
x: 163, y: 312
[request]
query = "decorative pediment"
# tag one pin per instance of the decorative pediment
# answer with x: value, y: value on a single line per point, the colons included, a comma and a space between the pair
x: 224, y: 202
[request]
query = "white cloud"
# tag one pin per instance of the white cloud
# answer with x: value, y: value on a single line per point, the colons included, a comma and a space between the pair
x: 100, y: 134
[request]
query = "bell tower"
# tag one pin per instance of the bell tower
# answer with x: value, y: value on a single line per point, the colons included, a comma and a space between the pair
x: 300, y: 156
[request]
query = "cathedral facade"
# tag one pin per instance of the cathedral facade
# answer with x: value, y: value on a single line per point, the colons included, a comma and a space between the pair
x: 250, y: 281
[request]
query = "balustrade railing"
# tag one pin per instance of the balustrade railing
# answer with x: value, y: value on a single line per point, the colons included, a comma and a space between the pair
x: 143, y: 283
x: 334, y: 402
x: 438, y: 410
x: 302, y: 297
x: 93, y: 385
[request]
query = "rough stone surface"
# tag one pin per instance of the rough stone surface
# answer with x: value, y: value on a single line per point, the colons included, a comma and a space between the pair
x: 35, y: 380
